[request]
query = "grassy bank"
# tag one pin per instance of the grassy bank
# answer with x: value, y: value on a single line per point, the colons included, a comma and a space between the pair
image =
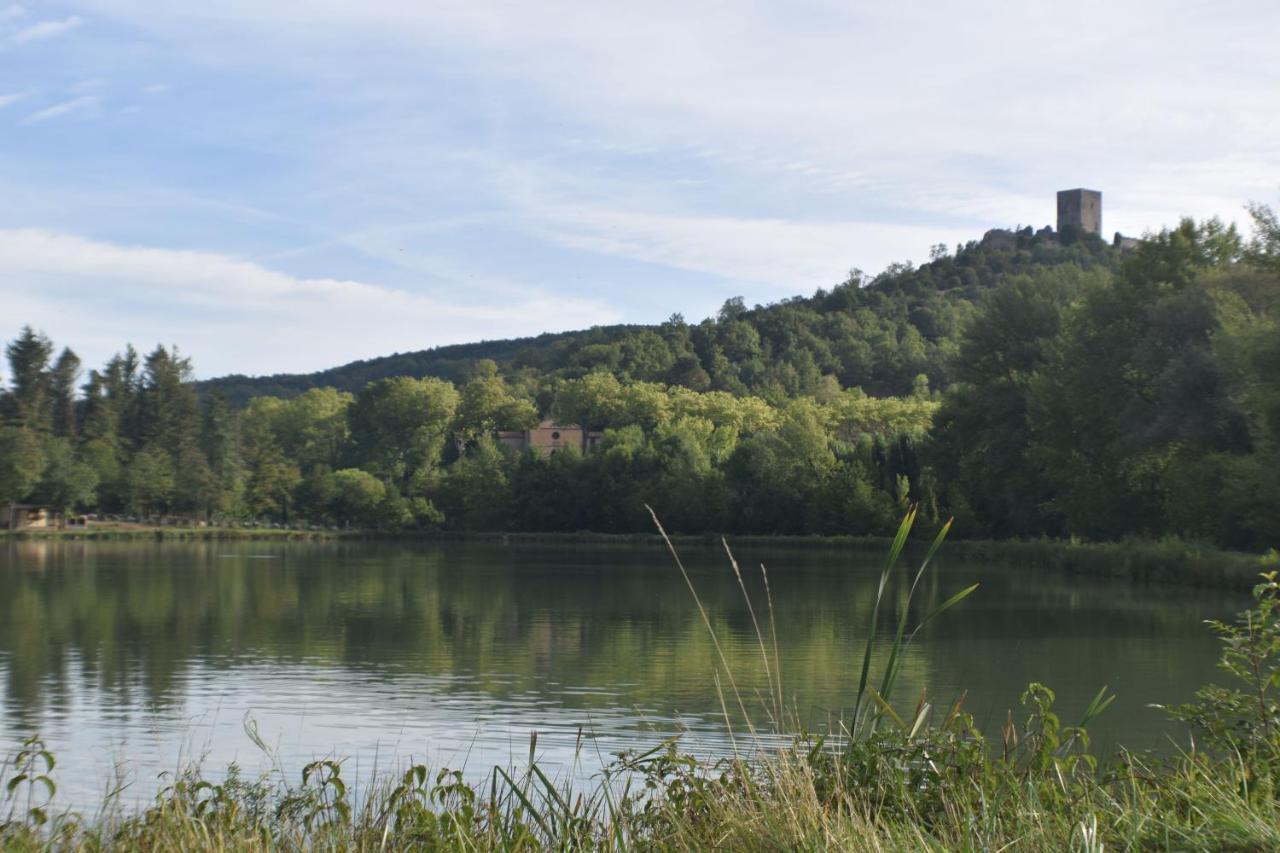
x: 941, y: 788
x: 888, y: 777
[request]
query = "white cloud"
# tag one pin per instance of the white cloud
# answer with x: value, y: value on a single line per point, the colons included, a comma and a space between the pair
x: 234, y: 315
x: 11, y: 98
x: 751, y: 142
x: 11, y: 13
x: 793, y: 256
x: 47, y: 29
x: 955, y: 102
x: 75, y: 105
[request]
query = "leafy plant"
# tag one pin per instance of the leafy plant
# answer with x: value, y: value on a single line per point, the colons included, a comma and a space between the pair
x: 31, y: 787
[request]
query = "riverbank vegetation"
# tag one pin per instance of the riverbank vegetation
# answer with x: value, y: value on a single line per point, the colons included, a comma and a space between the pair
x: 889, y: 777
x: 1056, y: 387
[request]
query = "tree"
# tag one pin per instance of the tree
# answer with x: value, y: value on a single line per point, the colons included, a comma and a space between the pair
x: 111, y: 401
x: 475, y: 491
x: 67, y: 482
x: 983, y: 444
x: 150, y: 481
x: 1133, y: 392
x: 28, y: 402
x: 270, y: 476
x: 1264, y: 249
x: 62, y: 389
x: 358, y: 497
x: 398, y: 429
x: 312, y: 428
x: 219, y: 442
x: 169, y: 411
x: 22, y: 463
x: 486, y: 404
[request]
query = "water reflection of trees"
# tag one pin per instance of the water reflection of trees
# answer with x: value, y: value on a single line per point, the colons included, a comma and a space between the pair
x: 133, y: 618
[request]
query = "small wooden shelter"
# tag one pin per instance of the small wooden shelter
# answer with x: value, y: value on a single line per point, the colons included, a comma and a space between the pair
x: 27, y: 517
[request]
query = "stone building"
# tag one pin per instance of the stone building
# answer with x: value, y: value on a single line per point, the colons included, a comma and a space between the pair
x: 549, y: 437
x: 1080, y: 209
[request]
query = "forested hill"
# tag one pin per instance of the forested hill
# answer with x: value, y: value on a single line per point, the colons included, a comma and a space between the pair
x: 878, y: 334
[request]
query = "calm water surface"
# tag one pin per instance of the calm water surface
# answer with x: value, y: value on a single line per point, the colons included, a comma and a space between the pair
x: 139, y: 657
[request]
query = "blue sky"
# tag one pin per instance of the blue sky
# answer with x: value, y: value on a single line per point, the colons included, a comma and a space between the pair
x: 279, y: 185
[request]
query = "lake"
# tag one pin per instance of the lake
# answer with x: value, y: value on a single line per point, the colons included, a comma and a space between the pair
x: 133, y: 658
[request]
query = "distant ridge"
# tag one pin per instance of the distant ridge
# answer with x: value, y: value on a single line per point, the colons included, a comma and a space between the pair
x: 451, y: 362
x: 880, y: 334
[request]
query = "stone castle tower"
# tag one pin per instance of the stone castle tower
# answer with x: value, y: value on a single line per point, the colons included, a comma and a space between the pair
x: 1080, y: 209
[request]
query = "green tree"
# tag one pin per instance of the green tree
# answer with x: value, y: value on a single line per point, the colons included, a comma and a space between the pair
x: 398, y: 429
x: 270, y: 476
x: 219, y: 443
x: 983, y: 444
x: 150, y: 481
x: 62, y: 390
x: 359, y: 497
x: 312, y: 428
x: 485, y: 404
x: 474, y: 493
x: 28, y: 402
x: 67, y: 482
x: 22, y: 463
x: 1133, y: 392
x: 169, y: 412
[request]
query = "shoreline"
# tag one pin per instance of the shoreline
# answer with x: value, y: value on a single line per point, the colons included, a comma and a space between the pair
x: 1149, y: 561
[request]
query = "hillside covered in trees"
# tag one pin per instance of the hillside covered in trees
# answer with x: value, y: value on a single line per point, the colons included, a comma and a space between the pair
x: 878, y: 334
x: 1051, y: 387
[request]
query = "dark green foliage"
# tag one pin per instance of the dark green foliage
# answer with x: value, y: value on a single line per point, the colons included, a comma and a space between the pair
x: 28, y: 403
x: 1244, y: 722
x: 1128, y: 404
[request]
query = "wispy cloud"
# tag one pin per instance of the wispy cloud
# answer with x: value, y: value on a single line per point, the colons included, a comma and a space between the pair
x: 75, y: 105
x: 11, y: 13
x: 606, y: 159
x: 236, y: 315
x: 794, y: 255
x: 12, y: 98
x: 47, y: 29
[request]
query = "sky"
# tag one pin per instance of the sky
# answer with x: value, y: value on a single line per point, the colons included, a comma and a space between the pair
x: 289, y: 185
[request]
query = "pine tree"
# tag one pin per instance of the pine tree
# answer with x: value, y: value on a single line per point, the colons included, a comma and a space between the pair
x: 62, y: 390
x: 27, y: 403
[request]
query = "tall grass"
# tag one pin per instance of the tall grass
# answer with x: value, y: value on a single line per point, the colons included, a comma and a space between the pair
x: 884, y: 779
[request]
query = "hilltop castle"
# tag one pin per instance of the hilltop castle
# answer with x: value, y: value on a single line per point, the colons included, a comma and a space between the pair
x: 1079, y: 213
x: 1080, y: 209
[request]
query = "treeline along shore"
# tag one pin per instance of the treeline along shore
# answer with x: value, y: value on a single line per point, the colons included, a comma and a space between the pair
x: 1049, y: 387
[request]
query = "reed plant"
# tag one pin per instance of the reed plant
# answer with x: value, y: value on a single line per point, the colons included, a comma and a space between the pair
x: 884, y: 779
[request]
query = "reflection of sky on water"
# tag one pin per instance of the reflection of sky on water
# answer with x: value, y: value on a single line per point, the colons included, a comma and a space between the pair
x: 152, y: 655
x: 312, y: 711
